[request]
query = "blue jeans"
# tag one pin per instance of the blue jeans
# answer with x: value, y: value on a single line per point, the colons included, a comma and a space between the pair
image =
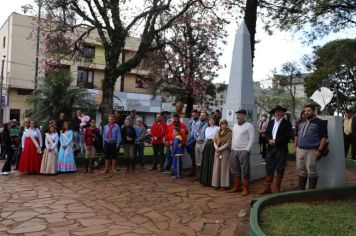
x: 169, y: 158
x: 177, y: 166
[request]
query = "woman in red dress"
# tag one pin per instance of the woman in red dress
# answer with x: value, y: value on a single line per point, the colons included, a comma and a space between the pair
x: 30, y: 161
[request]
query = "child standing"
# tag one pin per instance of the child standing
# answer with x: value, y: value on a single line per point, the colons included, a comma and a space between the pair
x: 178, y: 153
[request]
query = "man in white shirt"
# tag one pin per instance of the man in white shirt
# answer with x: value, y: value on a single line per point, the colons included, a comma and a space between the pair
x: 278, y: 134
x: 243, y: 136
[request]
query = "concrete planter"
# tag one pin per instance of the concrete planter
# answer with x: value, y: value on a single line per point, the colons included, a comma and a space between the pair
x: 338, y: 193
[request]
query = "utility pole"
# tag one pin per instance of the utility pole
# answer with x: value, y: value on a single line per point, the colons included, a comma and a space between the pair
x: 1, y: 83
x: 38, y: 41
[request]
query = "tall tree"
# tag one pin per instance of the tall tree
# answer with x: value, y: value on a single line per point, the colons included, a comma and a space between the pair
x: 190, y: 58
x: 115, y: 21
x: 334, y: 65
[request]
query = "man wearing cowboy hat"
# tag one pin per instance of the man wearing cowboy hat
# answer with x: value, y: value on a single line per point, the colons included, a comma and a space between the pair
x: 278, y: 134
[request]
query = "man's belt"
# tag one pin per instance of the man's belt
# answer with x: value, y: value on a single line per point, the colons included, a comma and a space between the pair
x: 111, y: 141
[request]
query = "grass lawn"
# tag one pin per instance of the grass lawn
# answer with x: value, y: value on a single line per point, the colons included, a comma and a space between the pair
x: 313, y: 218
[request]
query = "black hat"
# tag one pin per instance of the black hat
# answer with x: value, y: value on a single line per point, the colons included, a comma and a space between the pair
x: 175, y: 115
x: 242, y: 111
x: 278, y: 108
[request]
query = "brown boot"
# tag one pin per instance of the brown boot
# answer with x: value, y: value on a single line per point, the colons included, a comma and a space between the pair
x: 107, y: 164
x: 313, y: 181
x: 302, y: 182
x: 113, y: 166
x: 267, y: 185
x: 86, y: 165
x: 246, y: 187
x: 91, y: 166
x: 237, y: 185
x: 277, y: 187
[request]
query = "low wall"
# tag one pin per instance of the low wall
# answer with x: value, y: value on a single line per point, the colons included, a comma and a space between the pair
x: 338, y: 193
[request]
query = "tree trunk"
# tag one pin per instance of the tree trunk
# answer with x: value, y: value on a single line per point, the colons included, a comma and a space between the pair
x: 189, y: 108
x: 106, y: 106
x: 250, y: 20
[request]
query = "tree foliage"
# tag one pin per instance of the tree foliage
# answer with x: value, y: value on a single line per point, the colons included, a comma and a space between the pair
x: 55, y: 95
x: 115, y: 21
x: 190, y: 58
x: 334, y: 65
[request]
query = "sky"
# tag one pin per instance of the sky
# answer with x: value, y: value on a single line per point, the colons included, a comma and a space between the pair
x: 271, y: 51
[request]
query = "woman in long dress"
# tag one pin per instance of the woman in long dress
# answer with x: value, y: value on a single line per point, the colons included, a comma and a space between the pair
x: 30, y: 161
x: 222, y: 144
x: 65, y: 160
x: 49, y: 159
x: 207, y: 162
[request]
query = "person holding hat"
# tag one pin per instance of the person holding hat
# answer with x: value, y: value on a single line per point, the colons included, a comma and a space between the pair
x: 243, y: 136
x: 350, y: 133
x: 278, y: 134
x: 262, y: 126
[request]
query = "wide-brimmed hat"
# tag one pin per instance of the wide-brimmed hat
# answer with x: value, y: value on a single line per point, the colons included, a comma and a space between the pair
x: 278, y: 108
x: 242, y: 111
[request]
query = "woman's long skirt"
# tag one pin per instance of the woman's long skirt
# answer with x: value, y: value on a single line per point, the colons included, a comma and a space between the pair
x: 49, y: 162
x: 65, y: 160
x: 30, y: 161
x: 207, y: 163
x: 221, y: 172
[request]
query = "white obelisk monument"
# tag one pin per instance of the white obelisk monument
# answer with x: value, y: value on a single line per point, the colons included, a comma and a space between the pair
x: 240, y: 93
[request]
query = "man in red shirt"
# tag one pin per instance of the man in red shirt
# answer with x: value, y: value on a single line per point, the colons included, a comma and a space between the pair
x: 158, y: 131
x: 169, y: 139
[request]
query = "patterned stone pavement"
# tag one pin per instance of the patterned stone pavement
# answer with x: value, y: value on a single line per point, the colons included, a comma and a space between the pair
x: 141, y: 203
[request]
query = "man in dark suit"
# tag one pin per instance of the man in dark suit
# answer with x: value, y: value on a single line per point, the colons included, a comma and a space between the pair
x: 278, y: 134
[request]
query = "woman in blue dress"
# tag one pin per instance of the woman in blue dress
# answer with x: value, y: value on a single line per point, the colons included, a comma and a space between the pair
x: 65, y: 162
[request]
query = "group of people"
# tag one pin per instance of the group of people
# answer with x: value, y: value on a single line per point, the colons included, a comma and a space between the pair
x: 48, y: 154
x: 220, y: 156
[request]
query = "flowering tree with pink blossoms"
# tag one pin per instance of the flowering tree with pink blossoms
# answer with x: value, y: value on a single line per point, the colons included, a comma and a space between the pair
x: 190, y: 57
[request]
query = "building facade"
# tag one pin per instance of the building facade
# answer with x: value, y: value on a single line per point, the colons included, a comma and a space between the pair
x: 19, y: 71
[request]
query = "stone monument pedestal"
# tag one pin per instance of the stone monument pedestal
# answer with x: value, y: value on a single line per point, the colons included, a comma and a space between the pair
x: 332, y: 168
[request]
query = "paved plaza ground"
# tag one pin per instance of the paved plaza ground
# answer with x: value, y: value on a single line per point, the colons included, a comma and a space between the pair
x: 142, y: 203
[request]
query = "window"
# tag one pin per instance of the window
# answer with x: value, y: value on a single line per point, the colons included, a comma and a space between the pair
x: 24, y: 92
x: 4, y: 42
x: 15, y: 114
x: 85, y: 78
x: 87, y: 52
x: 139, y: 83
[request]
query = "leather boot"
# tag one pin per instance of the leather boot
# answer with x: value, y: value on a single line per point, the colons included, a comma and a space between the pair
x: 91, y: 166
x: 107, y: 164
x: 133, y: 165
x: 86, y: 165
x: 246, y: 187
x: 237, y: 185
x: 267, y: 185
x: 127, y: 161
x: 277, y: 187
x: 302, y: 182
x: 113, y: 166
x: 313, y: 181
x: 197, y: 173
